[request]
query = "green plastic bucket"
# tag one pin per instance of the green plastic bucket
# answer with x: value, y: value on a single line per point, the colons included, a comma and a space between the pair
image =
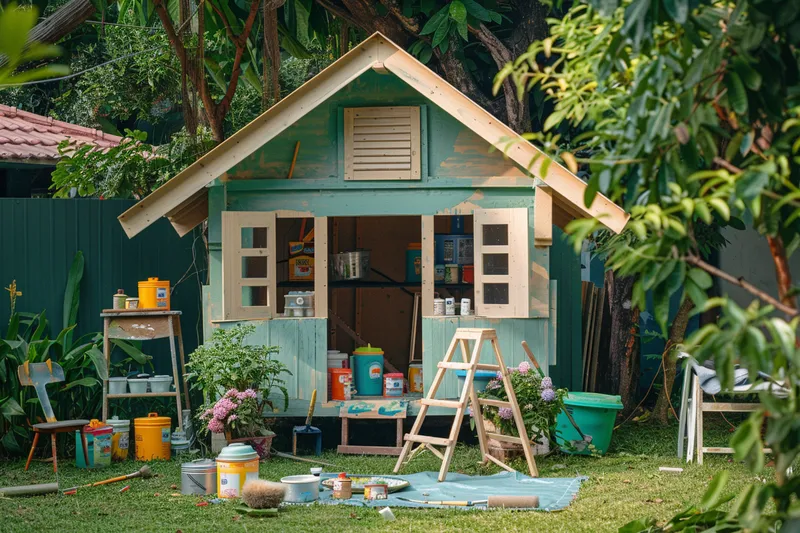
x: 594, y: 414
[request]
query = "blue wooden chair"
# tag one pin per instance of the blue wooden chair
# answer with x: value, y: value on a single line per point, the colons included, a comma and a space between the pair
x: 38, y: 375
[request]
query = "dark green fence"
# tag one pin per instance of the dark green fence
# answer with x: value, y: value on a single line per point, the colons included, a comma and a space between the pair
x: 40, y: 237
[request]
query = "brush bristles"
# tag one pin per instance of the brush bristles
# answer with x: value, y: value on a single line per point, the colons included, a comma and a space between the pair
x: 262, y: 494
x: 145, y: 472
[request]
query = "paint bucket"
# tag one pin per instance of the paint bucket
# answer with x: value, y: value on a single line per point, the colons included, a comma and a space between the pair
x: 367, y: 366
x: 468, y: 274
x: 98, y: 441
x: 438, y: 273
x: 300, y: 489
x: 138, y: 385
x: 178, y: 443
x: 117, y: 385
x: 160, y: 383
x: 414, y: 262
x: 152, y: 437
x: 118, y: 300
x: 466, y: 307
x: 154, y: 294
x: 341, y: 380
x: 120, y: 439
x: 450, y: 306
x: 131, y: 303
x: 438, y: 307
x: 415, y: 377
x: 342, y: 487
x: 393, y: 384
x: 237, y: 464
x: 336, y: 359
x: 451, y: 273
x: 377, y: 491
x: 199, y: 477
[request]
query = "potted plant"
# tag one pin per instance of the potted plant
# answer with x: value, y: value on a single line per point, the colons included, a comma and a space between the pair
x: 237, y: 380
x: 539, y: 404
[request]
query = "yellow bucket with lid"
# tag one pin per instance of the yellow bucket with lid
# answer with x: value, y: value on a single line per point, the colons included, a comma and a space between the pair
x: 153, y: 437
x: 237, y: 464
x: 154, y: 294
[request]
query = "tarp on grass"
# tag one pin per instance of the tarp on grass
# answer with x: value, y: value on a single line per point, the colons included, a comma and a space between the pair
x: 554, y: 493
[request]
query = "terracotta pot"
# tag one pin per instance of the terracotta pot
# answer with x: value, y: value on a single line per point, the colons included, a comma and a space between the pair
x: 260, y: 443
x: 506, y: 451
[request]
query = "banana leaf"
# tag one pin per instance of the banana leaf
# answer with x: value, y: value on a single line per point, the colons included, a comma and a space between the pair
x: 72, y: 296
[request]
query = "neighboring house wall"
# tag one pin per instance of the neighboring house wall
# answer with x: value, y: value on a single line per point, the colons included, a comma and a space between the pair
x: 39, y: 241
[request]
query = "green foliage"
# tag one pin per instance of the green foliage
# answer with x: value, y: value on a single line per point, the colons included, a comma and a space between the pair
x: 690, y: 117
x: 15, y: 24
x: 227, y: 362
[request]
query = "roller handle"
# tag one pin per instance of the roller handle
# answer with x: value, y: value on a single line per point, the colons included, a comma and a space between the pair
x: 311, y: 407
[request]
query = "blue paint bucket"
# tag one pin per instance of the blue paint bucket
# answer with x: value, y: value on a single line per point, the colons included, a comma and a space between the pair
x: 367, y: 366
x: 482, y: 378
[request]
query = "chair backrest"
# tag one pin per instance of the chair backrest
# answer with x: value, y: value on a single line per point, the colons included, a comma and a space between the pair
x: 38, y: 375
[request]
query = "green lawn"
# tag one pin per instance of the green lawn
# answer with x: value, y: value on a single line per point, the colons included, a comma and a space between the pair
x: 623, y: 485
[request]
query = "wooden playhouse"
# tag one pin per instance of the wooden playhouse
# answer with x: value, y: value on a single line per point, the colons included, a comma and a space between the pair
x: 377, y: 152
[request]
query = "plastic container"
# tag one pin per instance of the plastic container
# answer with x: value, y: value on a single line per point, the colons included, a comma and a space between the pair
x: 117, y: 385
x: 336, y: 359
x: 393, y: 384
x: 152, y: 437
x: 367, y: 366
x: 438, y: 273
x: 414, y: 262
x: 453, y: 249
x: 299, y: 304
x: 154, y: 294
x: 138, y: 385
x: 594, y: 414
x: 98, y: 440
x: 482, y: 378
x: 341, y: 380
x: 120, y: 438
x: 301, y: 489
x: 160, y: 383
x: 415, y: 378
x: 438, y: 307
x: 199, y: 477
x: 237, y: 464
x: 468, y: 274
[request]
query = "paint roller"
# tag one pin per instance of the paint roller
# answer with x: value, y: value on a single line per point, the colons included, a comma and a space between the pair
x: 500, y: 501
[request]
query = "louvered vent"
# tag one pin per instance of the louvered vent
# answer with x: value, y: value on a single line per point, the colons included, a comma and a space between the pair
x: 381, y: 143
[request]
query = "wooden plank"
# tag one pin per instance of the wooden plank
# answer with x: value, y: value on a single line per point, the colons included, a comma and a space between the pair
x: 372, y: 159
x: 359, y: 166
x: 383, y: 111
x: 380, y: 151
x: 321, y: 267
x: 138, y: 329
x: 374, y: 409
x: 131, y: 313
x: 434, y: 451
x: 450, y: 404
x: 437, y: 441
x: 427, y: 265
x: 498, y: 462
x: 371, y: 130
x: 176, y: 379
x: 383, y: 121
x: 369, y: 450
x: 381, y: 137
x: 543, y: 217
x: 394, y: 145
x: 144, y: 395
x: 730, y: 407
x: 190, y: 214
x: 596, y: 329
x: 416, y: 149
x: 381, y: 175
x: 494, y: 403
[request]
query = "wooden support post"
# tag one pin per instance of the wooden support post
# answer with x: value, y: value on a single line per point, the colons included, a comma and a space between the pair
x: 542, y: 217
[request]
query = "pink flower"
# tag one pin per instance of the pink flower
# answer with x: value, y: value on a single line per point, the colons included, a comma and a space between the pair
x: 505, y: 413
x: 493, y: 384
x: 524, y: 367
x: 469, y: 411
x: 223, y: 407
x: 232, y: 418
x: 232, y: 393
x: 215, y: 426
x: 499, y: 375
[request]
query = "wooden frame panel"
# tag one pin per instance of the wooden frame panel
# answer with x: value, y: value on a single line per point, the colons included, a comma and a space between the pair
x: 427, y: 265
x: 233, y: 307
x: 516, y: 220
x: 542, y: 217
x: 385, y: 148
x: 321, y: 267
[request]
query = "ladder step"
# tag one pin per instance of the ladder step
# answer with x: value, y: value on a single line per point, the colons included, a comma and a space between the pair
x: 504, y: 438
x: 467, y: 366
x: 494, y: 403
x: 438, y: 441
x: 481, y: 366
x: 452, y: 404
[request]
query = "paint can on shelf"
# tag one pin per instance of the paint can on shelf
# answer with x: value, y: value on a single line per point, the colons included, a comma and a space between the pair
x: 119, y: 299
x: 468, y: 274
x: 393, y: 384
x: 451, y: 273
x: 466, y: 307
x: 341, y: 380
x: 131, y: 303
x: 415, y: 377
x: 438, y: 307
x: 154, y: 294
x: 438, y: 273
x: 450, y: 306
x: 336, y: 359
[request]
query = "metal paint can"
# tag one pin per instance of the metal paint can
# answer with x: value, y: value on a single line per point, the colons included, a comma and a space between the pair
x: 438, y: 307
x: 393, y: 384
x: 415, y: 377
x: 377, y: 491
x: 131, y: 303
x: 449, y: 306
x: 466, y: 307
x: 199, y: 477
x: 119, y: 299
x: 438, y: 273
x: 237, y: 464
x: 342, y: 487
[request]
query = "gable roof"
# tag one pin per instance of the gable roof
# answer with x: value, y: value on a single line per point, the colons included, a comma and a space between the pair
x: 33, y: 139
x: 182, y: 198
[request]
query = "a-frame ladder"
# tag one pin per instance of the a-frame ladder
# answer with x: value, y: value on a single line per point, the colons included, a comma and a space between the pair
x: 471, y: 364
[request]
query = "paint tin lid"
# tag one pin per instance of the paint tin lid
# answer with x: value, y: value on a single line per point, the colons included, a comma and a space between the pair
x: 414, y: 246
x: 368, y: 350
x: 415, y: 365
x: 199, y: 466
x: 116, y: 423
x: 394, y: 375
x: 238, y: 451
x: 151, y: 420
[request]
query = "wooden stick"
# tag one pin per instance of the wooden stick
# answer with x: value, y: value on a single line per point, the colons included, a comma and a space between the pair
x: 530, y: 355
x: 294, y: 160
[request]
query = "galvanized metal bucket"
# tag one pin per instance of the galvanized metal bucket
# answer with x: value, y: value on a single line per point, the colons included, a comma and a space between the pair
x: 199, y: 477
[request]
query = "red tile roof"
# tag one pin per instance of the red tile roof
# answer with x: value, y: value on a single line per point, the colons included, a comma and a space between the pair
x: 30, y: 138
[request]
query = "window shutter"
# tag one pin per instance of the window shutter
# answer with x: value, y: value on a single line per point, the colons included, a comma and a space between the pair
x: 381, y: 143
x: 501, y: 263
x: 248, y: 265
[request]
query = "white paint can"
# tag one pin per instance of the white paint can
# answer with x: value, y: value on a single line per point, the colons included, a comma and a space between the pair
x: 465, y: 307
x: 438, y: 307
x: 450, y: 306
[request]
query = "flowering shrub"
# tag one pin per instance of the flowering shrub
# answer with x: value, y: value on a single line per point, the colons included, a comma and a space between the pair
x: 237, y: 413
x: 538, y: 400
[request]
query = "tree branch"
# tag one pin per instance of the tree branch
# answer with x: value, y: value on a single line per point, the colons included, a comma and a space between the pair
x: 240, y: 42
x: 411, y: 24
x: 338, y: 12
x: 741, y: 282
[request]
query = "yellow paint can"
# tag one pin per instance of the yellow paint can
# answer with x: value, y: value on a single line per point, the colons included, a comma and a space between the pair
x: 415, y: 377
x: 152, y: 437
x: 237, y: 464
x: 154, y: 294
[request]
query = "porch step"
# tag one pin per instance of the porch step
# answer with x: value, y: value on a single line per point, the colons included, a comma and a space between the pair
x: 437, y: 441
x: 467, y: 366
x: 452, y: 404
x: 504, y: 438
x: 494, y: 403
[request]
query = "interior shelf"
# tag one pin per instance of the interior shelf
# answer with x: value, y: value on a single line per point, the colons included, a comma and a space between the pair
x: 362, y: 284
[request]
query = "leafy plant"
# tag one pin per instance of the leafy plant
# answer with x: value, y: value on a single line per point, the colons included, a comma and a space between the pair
x: 227, y: 361
x: 15, y: 50
x: 237, y: 413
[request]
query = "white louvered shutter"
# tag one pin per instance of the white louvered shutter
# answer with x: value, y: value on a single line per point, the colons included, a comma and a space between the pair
x: 381, y: 143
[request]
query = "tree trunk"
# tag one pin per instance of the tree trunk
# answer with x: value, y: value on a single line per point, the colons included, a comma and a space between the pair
x: 623, y: 350
x: 782, y: 271
x: 677, y: 332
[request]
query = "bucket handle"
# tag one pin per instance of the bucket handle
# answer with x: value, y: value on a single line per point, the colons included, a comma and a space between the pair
x: 152, y: 279
x: 152, y: 415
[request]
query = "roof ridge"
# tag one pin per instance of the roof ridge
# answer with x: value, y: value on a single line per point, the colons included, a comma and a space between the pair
x: 50, y: 121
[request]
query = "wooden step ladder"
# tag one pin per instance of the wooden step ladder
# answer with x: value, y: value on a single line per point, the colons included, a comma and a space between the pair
x: 462, y: 338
